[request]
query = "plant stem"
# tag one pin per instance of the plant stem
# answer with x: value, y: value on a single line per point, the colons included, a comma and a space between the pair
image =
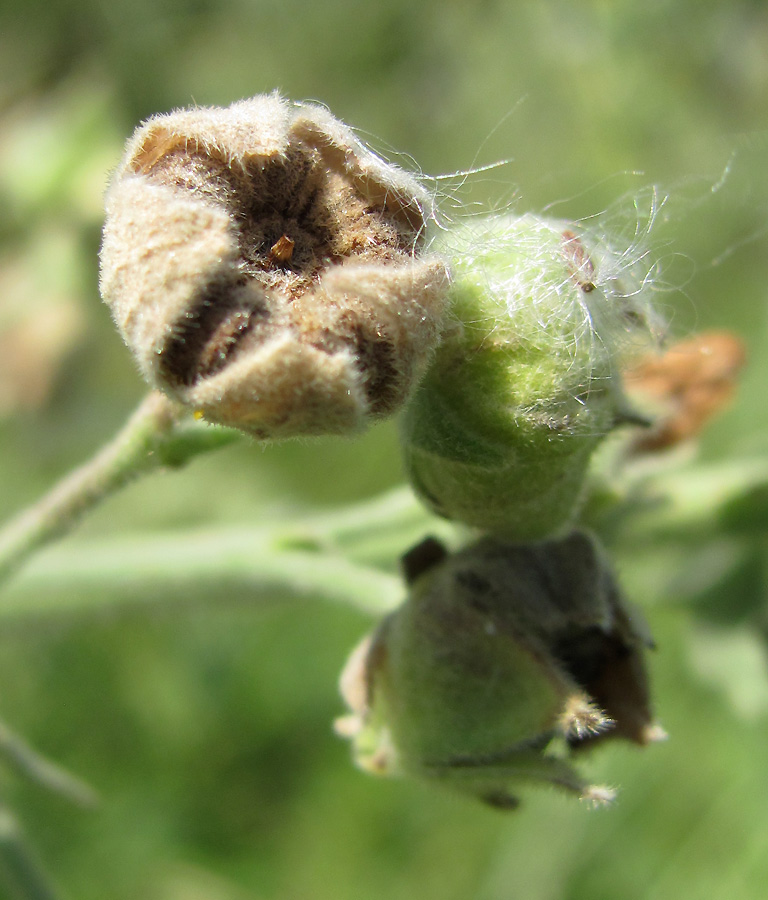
x: 154, y: 436
x: 336, y: 555
x: 20, y: 873
x: 189, y: 570
x: 15, y: 750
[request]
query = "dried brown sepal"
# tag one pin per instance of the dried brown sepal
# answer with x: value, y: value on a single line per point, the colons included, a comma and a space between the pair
x: 687, y: 386
x: 264, y: 267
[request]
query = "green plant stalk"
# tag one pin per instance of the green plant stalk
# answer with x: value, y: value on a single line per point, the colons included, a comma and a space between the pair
x: 20, y: 873
x: 187, y: 570
x: 15, y: 750
x: 155, y: 436
x: 337, y: 555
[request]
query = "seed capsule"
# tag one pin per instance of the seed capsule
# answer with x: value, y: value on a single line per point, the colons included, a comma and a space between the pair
x: 501, y: 654
x: 525, y: 383
x: 264, y: 268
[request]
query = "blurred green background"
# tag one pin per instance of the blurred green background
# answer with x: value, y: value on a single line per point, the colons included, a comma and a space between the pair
x: 208, y: 734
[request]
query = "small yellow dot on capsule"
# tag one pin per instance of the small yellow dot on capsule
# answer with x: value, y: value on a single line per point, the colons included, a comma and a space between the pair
x: 198, y: 414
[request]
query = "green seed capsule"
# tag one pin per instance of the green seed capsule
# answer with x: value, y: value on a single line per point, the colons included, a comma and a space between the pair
x: 501, y: 654
x: 525, y: 383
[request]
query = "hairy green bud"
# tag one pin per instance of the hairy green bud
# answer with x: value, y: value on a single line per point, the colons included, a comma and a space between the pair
x: 503, y: 660
x: 526, y: 380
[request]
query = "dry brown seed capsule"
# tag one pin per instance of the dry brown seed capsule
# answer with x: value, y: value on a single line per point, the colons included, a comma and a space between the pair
x: 263, y: 266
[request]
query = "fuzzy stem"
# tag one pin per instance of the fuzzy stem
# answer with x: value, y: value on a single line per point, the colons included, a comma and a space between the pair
x: 153, y: 437
x: 20, y: 873
x: 334, y: 555
x: 188, y: 570
x: 15, y: 750
x: 374, y: 532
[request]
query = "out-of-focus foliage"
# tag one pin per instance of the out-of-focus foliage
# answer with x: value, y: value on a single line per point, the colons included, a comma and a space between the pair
x: 208, y: 734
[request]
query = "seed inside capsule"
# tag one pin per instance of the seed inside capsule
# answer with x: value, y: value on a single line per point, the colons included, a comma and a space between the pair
x: 282, y: 250
x: 376, y: 359
x: 208, y: 334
